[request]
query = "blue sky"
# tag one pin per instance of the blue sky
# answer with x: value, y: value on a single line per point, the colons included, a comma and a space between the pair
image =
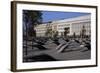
x: 53, y: 15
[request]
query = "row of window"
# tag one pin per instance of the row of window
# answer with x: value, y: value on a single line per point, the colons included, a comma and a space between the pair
x: 64, y: 25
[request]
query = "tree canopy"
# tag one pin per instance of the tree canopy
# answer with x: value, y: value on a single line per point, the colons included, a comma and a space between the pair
x: 30, y: 19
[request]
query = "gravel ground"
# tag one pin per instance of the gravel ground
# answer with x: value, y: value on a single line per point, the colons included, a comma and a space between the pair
x: 69, y: 54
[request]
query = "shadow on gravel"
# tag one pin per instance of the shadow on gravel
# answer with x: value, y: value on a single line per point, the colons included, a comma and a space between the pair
x: 39, y: 58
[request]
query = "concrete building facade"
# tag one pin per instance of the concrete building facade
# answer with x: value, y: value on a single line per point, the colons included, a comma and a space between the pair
x: 41, y: 30
x: 75, y: 26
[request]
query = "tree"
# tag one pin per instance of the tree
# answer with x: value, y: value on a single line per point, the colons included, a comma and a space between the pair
x: 74, y: 35
x: 55, y: 34
x: 31, y: 19
x: 49, y: 32
x: 66, y: 31
x: 83, y: 32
